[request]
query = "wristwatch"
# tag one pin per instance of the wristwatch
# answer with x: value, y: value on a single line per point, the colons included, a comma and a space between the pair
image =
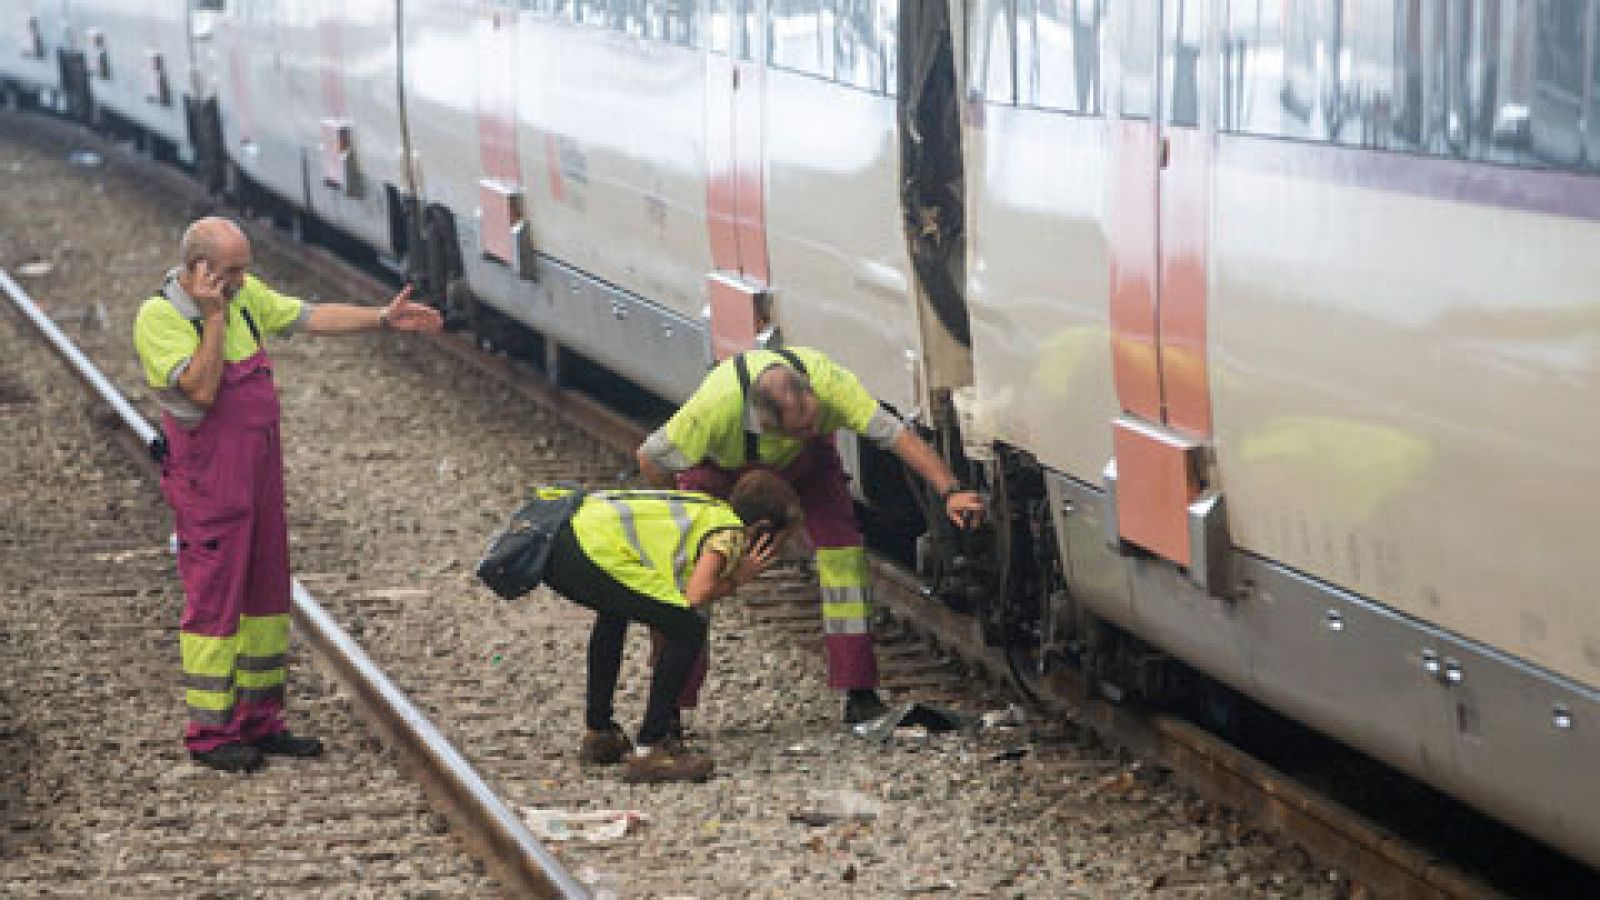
x: 954, y: 488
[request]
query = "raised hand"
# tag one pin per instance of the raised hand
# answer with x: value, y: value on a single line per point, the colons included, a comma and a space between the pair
x: 757, y: 559
x: 403, y: 315
x: 207, y: 289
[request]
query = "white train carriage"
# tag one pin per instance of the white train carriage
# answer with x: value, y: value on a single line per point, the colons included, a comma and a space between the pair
x: 310, y: 97
x: 1295, y: 307
x: 629, y: 177
x: 140, y: 62
x: 36, y: 53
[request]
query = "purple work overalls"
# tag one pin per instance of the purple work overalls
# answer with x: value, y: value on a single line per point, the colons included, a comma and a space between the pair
x: 818, y: 477
x: 224, y: 482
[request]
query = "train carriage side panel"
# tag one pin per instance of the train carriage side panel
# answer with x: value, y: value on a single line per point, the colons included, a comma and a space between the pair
x: 1404, y: 330
x: 140, y: 62
x: 612, y: 146
x: 31, y: 34
x: 598, y: 130
x: 350, y: 130
x: 1408, y: 349
x: 259, y: 88
x: 1400, y: 336
x: 837, y: 247
x: 440, y: 102
x: 1039, y: 284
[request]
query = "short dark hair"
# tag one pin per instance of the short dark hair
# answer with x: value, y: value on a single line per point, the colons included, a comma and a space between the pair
x: 762, y: 497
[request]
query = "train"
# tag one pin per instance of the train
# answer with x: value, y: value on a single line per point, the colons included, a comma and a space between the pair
x: 1267, y: 326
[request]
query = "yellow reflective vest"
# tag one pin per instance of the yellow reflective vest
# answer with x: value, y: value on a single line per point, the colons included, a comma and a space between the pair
x: 650, y: 540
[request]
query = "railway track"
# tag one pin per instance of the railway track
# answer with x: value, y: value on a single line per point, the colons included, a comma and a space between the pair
x: 384, y: 533
x: 340, y: 801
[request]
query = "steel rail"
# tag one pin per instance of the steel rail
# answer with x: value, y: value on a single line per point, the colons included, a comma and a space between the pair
x: 490, y: 828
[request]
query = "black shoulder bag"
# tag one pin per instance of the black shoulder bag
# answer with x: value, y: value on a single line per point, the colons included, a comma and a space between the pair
x: 519, y: 554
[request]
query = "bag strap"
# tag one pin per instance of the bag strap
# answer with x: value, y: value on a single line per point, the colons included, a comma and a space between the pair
x: 742, y: 368
x: 248, y: 320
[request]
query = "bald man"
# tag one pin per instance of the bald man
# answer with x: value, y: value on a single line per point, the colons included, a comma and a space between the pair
x: 201, y: 342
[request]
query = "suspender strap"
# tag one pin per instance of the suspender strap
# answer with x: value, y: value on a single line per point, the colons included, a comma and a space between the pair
x: 248, y: 320
x: 742, y: 369
x: 794, y: 360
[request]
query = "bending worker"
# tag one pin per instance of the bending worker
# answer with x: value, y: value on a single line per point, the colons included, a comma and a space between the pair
x: 200, y: 340
x: 778, y: 410
x: 659, y: 558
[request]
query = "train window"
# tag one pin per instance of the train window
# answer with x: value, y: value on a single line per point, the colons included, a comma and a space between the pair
x: 801, y: 36
x: 1514, y: 81
x: 1592, y: 119
x: 1557, y: 114
x: 1025, y: 34
x: 1067, y: 49
x: 993, y: 55
x: 861, y: 42
x: 33, y: 41
x: 1278, y: 73
x: 719, y: 26
x: 888, y: 38
x: 593, y: 12
x: 631, y: 18
x: 1141, y: 30
x: 1180, y: 86
x: 731, y: 27
x: 675, y: 21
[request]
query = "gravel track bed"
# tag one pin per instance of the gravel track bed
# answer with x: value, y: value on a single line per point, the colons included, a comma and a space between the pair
x: 400, y: 463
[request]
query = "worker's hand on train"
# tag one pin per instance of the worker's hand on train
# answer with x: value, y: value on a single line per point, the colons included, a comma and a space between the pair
x: 757, y: 559
x: 965, y: 508
x: 207, y: 288
x: 403, y: 315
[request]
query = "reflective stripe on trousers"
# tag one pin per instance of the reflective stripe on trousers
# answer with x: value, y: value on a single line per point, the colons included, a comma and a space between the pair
x: 249, y: 665
x: 819, y: 479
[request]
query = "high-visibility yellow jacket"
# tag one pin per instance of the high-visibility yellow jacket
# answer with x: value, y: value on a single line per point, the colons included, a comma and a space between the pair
x: 711, y: 424
x: 649, y: 540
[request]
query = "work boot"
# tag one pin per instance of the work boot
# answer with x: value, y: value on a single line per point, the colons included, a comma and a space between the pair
x: 606, y: 747
x: 283, y: 743
x: 230, y: 758
x: 863, y: 705
x: 669, y: 760
x: 676, y: 730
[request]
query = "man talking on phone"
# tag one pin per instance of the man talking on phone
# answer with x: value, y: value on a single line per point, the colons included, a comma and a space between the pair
x: 201, y: 341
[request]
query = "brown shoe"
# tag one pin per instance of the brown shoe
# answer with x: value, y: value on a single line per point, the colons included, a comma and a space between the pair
x: 669, y: 760
x: 604, y: 748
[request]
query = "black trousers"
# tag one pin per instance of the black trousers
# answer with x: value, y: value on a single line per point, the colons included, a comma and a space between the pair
x: 573, y: 575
